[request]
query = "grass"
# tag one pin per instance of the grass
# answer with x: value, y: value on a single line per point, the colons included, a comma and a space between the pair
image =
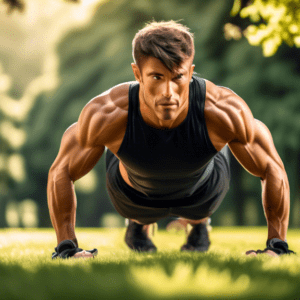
x: 224, y: 272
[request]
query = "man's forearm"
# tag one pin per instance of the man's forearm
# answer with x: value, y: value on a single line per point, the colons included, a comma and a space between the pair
x: 276, y: 203
x: 62, y: 205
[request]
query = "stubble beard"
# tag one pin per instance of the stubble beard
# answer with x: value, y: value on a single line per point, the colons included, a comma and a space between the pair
x: 166, y: 116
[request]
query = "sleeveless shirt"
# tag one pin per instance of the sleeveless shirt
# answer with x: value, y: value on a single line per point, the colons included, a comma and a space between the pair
x: 168, y: 163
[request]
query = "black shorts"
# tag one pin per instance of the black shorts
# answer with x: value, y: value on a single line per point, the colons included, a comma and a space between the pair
x: 133, y: 204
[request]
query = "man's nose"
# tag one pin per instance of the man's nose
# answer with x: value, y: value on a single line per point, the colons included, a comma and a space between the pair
x: 167, y: 92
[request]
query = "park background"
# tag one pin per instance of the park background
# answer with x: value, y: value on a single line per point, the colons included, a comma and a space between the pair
x: 56, y: 55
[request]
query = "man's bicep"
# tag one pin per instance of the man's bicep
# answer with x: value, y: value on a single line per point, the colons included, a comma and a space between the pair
x: 259, y: 153
x: 74, y: 159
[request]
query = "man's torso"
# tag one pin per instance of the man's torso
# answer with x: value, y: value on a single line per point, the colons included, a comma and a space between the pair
x: 114, y: 112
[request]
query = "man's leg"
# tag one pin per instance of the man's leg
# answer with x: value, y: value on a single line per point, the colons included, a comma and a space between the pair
x: 196, y: 231
x: 137, y: 237
x: 196, y: 222
x: 198, y: 238
x: 140, y: 217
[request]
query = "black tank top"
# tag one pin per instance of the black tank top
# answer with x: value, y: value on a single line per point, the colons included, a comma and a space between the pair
x: 168, y: 163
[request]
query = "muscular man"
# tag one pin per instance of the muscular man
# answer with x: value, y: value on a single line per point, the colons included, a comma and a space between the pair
x: 167, y: 136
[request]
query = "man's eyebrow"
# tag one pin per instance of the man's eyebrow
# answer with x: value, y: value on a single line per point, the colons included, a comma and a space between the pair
x: 181, y: 71
x: 154, y: 73
x: 159, y: 74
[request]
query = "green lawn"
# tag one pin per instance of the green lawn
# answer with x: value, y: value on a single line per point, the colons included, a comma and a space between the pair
x: 225, y: 272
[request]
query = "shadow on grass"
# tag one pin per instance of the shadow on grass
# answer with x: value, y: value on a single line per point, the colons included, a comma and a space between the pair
x: 169, y: 275
x: 27, y: 271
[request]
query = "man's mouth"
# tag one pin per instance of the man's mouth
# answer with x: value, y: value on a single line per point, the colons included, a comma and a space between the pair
x: 168, y: 104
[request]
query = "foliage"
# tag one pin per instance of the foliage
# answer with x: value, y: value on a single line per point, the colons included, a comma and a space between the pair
x: 20, y: 5
x: 278, y: 22
x: 27, y: 271
x: 14, y: 5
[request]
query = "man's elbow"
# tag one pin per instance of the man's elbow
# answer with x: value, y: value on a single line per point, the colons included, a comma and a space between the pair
x: 275, y: 171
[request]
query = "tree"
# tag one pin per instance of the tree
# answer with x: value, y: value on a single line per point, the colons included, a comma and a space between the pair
x: 277, y: 21
x: 20, y: 5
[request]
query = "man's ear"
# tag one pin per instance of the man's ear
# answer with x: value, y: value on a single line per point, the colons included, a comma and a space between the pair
x: 136, y: 72
x: 191, y: 71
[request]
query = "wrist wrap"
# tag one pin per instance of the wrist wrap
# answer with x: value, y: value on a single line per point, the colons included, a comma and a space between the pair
x: 65, y: 249
x: 278, y: 246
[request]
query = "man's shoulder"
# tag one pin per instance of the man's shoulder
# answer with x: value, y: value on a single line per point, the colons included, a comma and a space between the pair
x: 225, y: 112
x: 105, y: 113
x: 115, y: 97
x: 113, y: 100
x: 221, y: 97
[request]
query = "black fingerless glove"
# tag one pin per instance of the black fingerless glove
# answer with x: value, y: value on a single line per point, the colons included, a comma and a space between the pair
x: 68, y: 248
x: 278, y: 246
x: 65, y: 249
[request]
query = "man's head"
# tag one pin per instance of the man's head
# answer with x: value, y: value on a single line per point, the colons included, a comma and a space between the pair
x: 163, y: 53
x: 170, y: 42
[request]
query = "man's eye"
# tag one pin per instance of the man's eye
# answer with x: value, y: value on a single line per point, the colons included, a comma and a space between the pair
x: 179, y: 76
x: 156, y: 77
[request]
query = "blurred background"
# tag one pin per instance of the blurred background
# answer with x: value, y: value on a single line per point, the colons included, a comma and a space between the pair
x: 56, y: 55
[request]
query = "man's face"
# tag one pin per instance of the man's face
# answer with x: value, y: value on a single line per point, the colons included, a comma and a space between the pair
x: 164, y: 93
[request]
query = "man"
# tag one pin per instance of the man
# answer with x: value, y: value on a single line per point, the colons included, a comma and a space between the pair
x: 167, y: 136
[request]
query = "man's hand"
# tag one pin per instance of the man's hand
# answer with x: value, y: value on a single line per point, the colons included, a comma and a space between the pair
x: 275, y: 247
x: 68, y: 249
x: 267, y: 252
x: 86, y: 254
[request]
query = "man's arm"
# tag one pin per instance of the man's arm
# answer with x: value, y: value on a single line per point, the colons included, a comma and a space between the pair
x: 79, y: 152
x: 257, y: 154
x: 251, y: 143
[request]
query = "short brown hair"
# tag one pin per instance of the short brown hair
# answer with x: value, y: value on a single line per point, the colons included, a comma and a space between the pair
x: 170, y: 42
